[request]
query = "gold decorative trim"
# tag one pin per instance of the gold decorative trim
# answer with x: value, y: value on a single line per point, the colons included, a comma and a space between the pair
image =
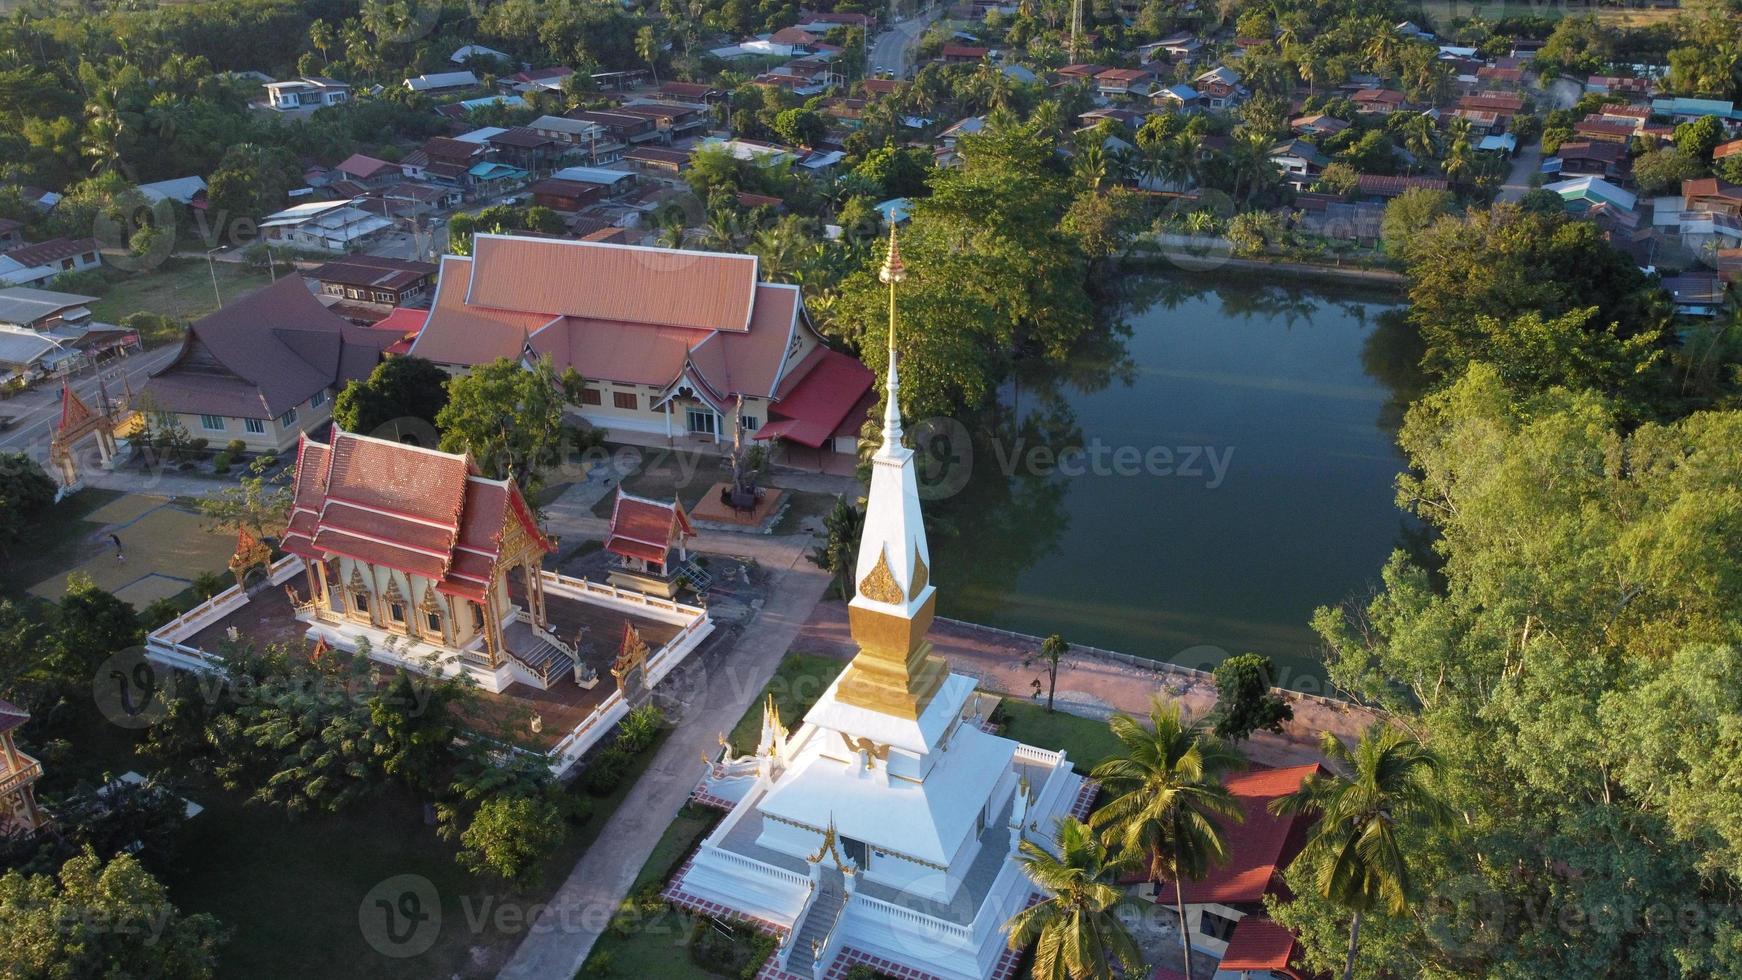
x: 921, y: 576
x: 871, y: 749
x: 879, y: 583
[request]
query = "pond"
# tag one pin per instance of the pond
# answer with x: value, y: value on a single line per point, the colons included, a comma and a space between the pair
x: 1193, y: 487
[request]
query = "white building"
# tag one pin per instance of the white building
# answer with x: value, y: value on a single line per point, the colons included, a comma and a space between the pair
x: 332, y: 225
x: 885, y: 828
x: 40, y: 262
x: 442, y: 81
x: 308, y: 92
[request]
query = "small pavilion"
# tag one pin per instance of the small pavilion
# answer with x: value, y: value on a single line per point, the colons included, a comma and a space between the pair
x: 19, y: 813
x: 650, y: 538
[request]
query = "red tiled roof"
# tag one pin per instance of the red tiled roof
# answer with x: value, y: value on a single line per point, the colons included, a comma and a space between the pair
x: 964, y: 51
x: 817, y: 396
x: 882, y: 86
x: 667, y: 287
x: 618, y: 313
x: 422, y: 512
x: 363, y: 167
x: 1258, y: 944
x: 1723, y: 150
x: 1711, y: 187
x: 1258, y: 847
x: 645, y: 529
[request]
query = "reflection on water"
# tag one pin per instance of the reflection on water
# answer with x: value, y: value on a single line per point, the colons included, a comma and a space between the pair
x: 1198, y: 481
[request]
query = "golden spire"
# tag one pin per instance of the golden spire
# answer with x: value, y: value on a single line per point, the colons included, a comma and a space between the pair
x: 894, y: 672
x: 893, y: 271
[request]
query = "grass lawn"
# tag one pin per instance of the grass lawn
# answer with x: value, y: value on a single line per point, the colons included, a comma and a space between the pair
x: 1085, y: 740
x: 797, y: 683
x: 802, y: 505
x: 180, y: 288
x: 293, y: 890
x: 658, y: 945
x: 56, y: 541
x: 662, y: 475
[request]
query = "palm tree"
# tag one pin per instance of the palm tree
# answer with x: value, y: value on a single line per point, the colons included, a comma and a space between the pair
x: 1249, y: 157
x: 1382, y: 47
x: 647, y: 49
x: 1169, y: 801
x: 1353, y: 854
x: 1074, y: 929
x: 1460, y: 157
x: 1420, y: 136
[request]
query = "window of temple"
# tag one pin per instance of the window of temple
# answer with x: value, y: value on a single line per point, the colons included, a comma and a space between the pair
x: 397, y: 611
x: 433, y: 622
x: 360, y: 602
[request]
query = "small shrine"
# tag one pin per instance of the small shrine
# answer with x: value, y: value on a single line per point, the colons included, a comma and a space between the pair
x: 650, y: 541
x: 19, y: 813
x: 78, y: 420
x: 251, y: 554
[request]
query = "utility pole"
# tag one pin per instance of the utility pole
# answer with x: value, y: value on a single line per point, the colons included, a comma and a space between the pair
x: 213, y: 267
x: 1076, y: 30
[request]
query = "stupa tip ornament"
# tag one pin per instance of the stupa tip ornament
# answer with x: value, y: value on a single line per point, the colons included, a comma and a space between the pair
x: 893, y: 270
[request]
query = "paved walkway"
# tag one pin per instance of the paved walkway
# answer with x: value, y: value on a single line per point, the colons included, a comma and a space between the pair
x: 1095, y: 687
x: 726, y: 681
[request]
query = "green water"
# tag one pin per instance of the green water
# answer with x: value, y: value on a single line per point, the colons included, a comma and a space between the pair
x: 1237, y: 471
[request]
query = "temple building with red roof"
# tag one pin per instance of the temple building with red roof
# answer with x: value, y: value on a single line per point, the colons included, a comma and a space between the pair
x: 19, y: 813
x: 400, y: 541
x: 674, y: 344
x: 649, y: 538
x: 1225, y: 910
x: 264, y: 369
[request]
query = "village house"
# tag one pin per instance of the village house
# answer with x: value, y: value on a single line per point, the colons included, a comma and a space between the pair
x: 263, y: 369
x: 1219, y: 88
x: 334, y: 226
x: 674, y: 344
x: 1124, y: 82
x: 11, y: 233
x: 673, y: 121
x: 375, y: 279
x: 442, y: 81
x: 39, y: 262
x: 367, y: 171
x: 1587, y: 157
x: 1225, y: 914
x: 1378, y: 101
x: 588, y: 139
x: 307, y: 92
x: 528, y: 149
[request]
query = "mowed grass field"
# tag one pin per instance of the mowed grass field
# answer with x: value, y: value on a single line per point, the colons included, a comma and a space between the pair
x: 180, y: 288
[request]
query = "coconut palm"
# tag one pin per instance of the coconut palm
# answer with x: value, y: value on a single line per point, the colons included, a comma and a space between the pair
x: 647, y: 48
x: 1384, y: 782
x: 1169, y: 804
x: 1420, y: 136
x: 1074, y: 929
x: 1249, y: 159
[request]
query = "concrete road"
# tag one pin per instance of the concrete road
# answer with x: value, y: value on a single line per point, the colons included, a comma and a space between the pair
x: 890, y: 49
x: 1528, y: 161
x: 35, y: 412
x: 727, y: 679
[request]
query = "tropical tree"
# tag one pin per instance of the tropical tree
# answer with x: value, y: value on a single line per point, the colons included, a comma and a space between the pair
x: 647, y: 47
x: 1076, y: 933
x: 1052, y: 652
x: 1245, y: 702
x: 1354, y: 854
x: 838, y: 553
x: 1168, y: 802
x: 508, y: 417
x: 399, y: 394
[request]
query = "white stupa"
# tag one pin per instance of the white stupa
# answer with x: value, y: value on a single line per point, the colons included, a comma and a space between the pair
x: 883, y: 830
